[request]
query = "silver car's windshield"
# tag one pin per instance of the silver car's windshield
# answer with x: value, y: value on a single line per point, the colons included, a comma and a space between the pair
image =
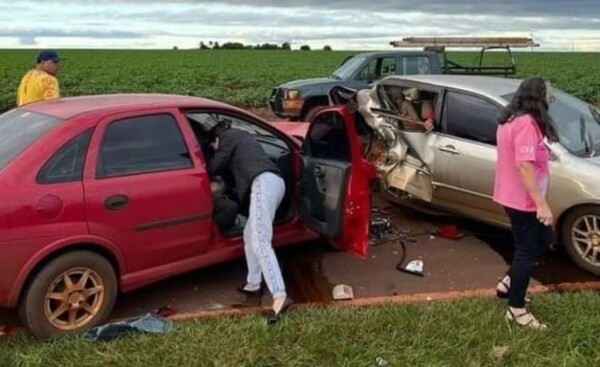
x: 345, y: 71
x: 577, y: 123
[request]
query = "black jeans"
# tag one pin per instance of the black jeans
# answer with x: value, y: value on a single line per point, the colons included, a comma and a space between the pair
x: 532, y: 239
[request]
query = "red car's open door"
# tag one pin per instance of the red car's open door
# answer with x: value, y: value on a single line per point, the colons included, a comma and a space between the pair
x: 335, y: 185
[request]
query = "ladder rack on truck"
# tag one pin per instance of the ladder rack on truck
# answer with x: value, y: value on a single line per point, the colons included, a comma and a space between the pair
x: 439, y: 45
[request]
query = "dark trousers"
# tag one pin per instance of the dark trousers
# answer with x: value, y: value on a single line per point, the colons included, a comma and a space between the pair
x: 224, y: 213
x: 532, y: 239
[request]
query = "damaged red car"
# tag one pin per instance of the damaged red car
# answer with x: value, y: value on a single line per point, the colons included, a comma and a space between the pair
x: 105, y: 194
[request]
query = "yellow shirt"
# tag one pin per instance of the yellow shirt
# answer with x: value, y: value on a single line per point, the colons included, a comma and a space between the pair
x: 37, y: 85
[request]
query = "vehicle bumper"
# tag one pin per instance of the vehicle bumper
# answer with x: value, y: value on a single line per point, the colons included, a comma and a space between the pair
x: 284, y: 108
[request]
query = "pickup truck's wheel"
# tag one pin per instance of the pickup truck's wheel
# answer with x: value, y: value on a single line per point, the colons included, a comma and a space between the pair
x: 310, y: 106
x: 309, y: 115
x: 581, y: 237
x: 71, y: 293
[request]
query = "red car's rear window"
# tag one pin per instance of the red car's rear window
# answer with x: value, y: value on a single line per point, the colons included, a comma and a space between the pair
x: 19, y: 129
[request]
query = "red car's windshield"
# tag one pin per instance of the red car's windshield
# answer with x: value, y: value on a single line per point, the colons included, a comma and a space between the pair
x: 19, y: 129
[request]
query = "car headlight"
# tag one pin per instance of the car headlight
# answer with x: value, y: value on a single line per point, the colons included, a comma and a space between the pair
x: 291, y: 94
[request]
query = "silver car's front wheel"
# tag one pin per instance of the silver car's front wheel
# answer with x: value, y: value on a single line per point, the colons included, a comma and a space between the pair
x: 581, y: 236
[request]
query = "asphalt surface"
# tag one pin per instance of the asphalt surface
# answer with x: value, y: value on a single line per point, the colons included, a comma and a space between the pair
x: 312, y: 269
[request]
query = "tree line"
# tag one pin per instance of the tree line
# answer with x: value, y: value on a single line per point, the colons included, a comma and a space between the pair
x: 265, y: 46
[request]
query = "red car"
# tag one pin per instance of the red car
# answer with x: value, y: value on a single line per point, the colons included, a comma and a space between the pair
x: 105, y: 194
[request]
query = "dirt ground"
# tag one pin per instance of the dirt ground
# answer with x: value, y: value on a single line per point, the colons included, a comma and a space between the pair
x: 312, y: 269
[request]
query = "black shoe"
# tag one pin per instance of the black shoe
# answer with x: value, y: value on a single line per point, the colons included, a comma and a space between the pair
x: 256, y: 293
x: 273, y: 316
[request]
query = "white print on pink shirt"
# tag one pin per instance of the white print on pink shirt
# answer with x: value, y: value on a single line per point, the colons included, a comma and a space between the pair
x: 528, y: 149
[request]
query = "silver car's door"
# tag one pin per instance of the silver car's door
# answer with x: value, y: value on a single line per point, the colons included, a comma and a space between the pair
x: 465, y: 157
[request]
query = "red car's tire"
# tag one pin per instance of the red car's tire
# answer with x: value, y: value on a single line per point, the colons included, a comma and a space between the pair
x: 71, y: 293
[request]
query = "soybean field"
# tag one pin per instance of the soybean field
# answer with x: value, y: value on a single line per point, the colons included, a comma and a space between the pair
x: 246, y: 77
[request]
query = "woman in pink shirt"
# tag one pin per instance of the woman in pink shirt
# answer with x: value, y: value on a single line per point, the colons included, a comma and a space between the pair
x: 520, y: 187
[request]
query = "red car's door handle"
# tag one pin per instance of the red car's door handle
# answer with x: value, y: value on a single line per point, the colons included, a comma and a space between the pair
x: 116, y: 202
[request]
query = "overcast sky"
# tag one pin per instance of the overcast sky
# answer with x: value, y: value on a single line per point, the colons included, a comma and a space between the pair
x: 342, y: 24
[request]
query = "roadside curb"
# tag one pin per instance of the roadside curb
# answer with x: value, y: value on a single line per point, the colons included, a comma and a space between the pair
x: 399, y: 299
x: 372, y: 301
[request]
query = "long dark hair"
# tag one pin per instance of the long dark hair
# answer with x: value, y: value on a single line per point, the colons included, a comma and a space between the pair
x: 531, y: 99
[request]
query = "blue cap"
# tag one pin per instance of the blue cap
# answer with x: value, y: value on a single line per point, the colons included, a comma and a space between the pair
x: 46, y: 55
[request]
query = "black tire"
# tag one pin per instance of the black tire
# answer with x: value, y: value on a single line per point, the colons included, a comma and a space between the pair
x: 34, y: 307
x: 310, y: 106
x: 309, y: 113
x: 574, y: 220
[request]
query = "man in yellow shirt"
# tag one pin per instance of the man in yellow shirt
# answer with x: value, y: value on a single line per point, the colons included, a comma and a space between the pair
x: 40, y: 83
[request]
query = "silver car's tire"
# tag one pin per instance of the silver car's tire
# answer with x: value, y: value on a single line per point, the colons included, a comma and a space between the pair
x: 581, y: 237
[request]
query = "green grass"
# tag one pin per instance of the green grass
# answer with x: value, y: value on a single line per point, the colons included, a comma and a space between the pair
x: 246, y: 77
x: 239, y: 77
x: 459, y: 333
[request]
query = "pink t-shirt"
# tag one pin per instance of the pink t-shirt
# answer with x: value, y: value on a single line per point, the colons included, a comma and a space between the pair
x: 519, y: 141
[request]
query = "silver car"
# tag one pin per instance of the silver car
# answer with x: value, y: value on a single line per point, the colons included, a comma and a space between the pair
x: 451, y: 167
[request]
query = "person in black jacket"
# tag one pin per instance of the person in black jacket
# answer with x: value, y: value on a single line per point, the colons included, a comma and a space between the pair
x: 258, y: 180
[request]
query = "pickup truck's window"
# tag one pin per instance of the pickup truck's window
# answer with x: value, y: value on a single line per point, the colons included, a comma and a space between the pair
x: 142, y: 144
x: 348, y: 68
x: 388, y: 66
x: 369, y: 71
x: 19, y: 129
x: 470, y: 117
x: 378, y: 68
x: 416, y: 65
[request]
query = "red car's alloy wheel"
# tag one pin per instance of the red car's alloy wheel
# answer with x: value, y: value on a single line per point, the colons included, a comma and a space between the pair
x: 74, y: 298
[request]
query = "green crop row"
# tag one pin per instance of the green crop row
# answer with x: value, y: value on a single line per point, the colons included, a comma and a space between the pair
x: 245, y: 77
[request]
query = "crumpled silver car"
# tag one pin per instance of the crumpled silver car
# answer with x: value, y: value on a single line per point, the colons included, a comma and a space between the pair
x: 451, y: 167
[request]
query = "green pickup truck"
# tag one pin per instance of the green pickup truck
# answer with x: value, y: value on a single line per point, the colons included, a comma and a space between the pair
x: 294, y: 100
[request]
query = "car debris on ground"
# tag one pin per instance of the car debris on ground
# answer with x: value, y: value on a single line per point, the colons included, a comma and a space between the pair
x: 414, y: 267
x: 342, y: 292
x: 382, y: 230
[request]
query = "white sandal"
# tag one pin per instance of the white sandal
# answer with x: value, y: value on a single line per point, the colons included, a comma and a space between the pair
x: 503, y: 287
x: 525, y: 319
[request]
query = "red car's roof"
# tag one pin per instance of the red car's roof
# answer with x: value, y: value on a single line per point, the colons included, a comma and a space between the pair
x: 65, y: 108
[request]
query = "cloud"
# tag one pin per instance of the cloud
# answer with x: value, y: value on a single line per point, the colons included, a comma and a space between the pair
x: 580, y: 8
x: 27, y: 41
x: 57, y: 32
x: 345, y: 23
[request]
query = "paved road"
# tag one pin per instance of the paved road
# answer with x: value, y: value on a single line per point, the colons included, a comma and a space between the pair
x: 311, y: 270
